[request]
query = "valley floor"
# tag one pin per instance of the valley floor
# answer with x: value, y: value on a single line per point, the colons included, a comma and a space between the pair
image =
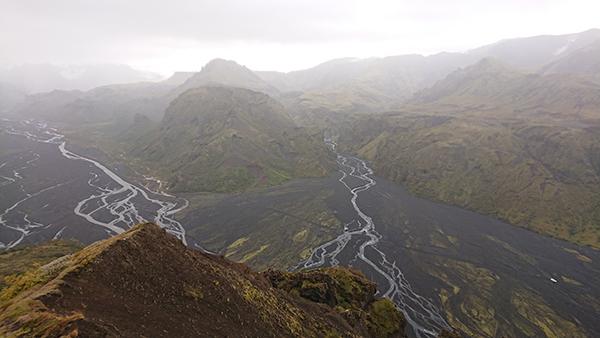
x: 489, y: 278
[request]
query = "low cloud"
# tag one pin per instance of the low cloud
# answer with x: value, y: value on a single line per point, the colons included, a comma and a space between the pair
x: 166, y: 35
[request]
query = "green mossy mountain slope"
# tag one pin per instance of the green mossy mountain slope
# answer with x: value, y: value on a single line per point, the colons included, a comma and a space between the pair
x: 222, y: 139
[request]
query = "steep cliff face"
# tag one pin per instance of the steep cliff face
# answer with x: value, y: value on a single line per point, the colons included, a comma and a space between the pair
x: 147, y: 283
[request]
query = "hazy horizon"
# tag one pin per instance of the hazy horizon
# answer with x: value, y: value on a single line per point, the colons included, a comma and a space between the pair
x: 267, y: 35
x: 354, y: 168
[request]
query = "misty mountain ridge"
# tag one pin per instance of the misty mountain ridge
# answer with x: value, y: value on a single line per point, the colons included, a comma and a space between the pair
x: 178, y: 78
x: 532, y: 53
x: 102, y: 104
x: 379, y: 84
x: 350, y: 85
x: 492, y: 84
x: 234, y: 161
x: 220, y: 72
x: 489, y: 137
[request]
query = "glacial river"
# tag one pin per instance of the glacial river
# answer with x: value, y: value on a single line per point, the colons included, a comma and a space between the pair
x: 112, y: 204
x: 445, y: 266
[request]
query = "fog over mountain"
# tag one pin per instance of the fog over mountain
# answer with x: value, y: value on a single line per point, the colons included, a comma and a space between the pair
x: 267, y: 35
x: 36, y: 78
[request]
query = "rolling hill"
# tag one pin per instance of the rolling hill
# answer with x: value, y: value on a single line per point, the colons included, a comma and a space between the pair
x: 522, y: 147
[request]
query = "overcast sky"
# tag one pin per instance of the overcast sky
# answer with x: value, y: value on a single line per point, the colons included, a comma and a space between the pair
x: 164, y: 36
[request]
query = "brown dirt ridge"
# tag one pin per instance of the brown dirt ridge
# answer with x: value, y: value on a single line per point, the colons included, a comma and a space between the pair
x: 146, y: 283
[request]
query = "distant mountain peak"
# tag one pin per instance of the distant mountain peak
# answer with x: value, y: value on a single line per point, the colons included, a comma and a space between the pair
x: 218, y: 62
x: 221, y: 72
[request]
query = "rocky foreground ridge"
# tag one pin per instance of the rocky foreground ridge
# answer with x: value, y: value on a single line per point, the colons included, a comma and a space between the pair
x: 145, y: 282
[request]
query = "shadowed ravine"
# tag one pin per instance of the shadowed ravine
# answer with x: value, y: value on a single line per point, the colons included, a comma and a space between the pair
x: 113, y: 205
x: 421, y: 314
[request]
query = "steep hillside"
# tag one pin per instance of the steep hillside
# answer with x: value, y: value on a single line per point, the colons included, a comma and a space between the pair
x: 229, y: 139
x: 147, y: 283
x: 518, y: 146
